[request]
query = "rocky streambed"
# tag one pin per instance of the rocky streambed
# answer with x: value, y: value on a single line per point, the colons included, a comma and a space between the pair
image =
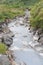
x: 25, y: 47
x: 6, y: 37
x: 5, y: 34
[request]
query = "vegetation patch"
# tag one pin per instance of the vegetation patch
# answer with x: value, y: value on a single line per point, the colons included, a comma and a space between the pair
x: 36, y: 19
x: 9, y: 12
x: 3, y: 48
x: 12, y: 8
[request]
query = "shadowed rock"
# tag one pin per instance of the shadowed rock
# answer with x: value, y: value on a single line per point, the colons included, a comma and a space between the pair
x: 7, y: 40
x: 41, y: 40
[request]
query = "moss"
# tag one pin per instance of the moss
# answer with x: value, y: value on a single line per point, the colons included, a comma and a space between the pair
x: 3, y: 48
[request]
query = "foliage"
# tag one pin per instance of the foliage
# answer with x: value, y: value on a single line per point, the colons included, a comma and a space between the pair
x: 10, y: 12
x: 37, y: 15
x: 12, y: 8
x: 3, y: 48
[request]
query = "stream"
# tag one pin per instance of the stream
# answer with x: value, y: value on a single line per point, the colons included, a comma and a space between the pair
x: 22, y: 52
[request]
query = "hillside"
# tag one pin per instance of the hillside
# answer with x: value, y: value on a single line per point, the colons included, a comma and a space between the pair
x: 11, y: 8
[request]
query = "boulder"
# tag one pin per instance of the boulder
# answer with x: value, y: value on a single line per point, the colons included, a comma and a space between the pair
x: 7, y: 40
x: 4, y: 60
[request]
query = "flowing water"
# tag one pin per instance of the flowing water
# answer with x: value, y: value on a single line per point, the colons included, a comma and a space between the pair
x: 24, y: 54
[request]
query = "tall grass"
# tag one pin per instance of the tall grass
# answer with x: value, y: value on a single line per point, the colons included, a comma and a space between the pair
x: 37, y: 15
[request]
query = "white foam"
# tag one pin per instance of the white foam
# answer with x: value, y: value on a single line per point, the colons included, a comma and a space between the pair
x: 41, y: 54
x: 25, y: 43
x: 24, y: 49
x: 35, y: 37
x: 15, y: 48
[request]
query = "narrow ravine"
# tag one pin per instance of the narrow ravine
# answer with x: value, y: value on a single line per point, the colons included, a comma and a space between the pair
x: 23, y: 54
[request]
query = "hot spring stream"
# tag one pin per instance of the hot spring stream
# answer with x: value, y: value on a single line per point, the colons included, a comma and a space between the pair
x: 24, y: 54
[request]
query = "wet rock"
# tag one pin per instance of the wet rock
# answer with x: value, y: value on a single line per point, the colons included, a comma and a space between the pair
x: 35, y: 31
x: 41, y: 35
x: 4, y: 60
x: 32, y: 29
x: 4, y: 25
x: 1, y: 34
x: 36, y: 36
x: 6, y: 35
x: 7, y: 40
x: 5, y: 28
x: 41, y: 40
x: 39, y: 31
x: 9, y: 34
x: 7, y: 20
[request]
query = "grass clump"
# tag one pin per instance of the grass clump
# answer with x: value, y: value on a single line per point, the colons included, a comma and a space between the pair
x: 9, y: 12
x: 3, y: 48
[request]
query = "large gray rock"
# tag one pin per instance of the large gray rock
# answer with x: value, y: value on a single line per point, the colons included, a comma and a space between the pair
x: 10, y: 34
x: 41, y: 40
x: 7, y: 40
x: 4, y: 60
